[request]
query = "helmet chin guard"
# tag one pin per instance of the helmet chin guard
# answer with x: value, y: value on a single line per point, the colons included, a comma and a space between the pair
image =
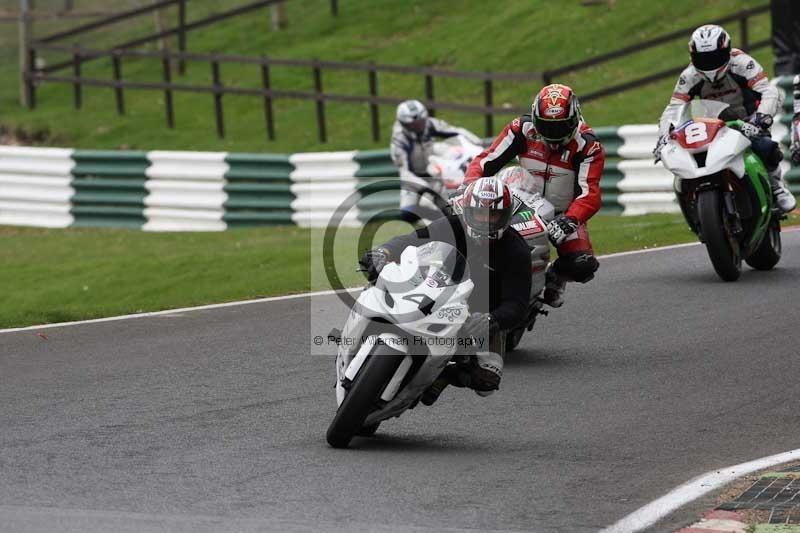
x: 487, y: 204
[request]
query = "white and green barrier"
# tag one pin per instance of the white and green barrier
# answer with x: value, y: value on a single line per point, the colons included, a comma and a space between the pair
x: 213, y: 191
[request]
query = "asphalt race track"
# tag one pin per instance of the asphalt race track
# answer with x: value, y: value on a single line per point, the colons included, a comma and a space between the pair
x: 212, y: 420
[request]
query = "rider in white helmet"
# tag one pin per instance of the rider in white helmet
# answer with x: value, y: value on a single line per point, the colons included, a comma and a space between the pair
x: 413, y: 135
x: 719, y: 72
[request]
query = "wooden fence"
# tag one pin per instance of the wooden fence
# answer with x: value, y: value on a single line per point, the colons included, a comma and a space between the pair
x: 79, y: 55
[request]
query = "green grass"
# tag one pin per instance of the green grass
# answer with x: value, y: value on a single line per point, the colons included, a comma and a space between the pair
x: 74, y: 274
x: 522, y: 36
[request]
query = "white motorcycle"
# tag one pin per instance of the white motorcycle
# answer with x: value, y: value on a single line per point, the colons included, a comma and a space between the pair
x: 447, y: 166
x: 449, y: 161
x: 722, y: 188
x: 399, y: 336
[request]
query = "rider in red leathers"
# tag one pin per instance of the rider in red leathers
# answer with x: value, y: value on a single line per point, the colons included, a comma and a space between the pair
x: 566, y: 160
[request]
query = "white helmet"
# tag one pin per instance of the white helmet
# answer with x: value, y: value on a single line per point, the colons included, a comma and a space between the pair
x: 517, y: 178
x: 412, y: 115
x: 710, y: 48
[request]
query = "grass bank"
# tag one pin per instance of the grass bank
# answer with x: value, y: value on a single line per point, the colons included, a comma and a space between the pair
x: 61, y: 275
x: 521, y: 37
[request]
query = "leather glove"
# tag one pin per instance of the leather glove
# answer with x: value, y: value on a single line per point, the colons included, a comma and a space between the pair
x: 662, y: 140
x: 560, y: 228
x: 373, y: 261
x: 796, y: 152
x: 763, y: 122
x: 750, y: 131
x: 481, y: 325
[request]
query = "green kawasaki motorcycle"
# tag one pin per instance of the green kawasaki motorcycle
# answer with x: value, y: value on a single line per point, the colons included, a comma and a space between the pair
x: 723, y: 189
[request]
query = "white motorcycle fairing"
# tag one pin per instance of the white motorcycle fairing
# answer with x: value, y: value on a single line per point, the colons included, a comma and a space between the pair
x: 726, y: 151
x: 449, y: 159
x: 398, y: 297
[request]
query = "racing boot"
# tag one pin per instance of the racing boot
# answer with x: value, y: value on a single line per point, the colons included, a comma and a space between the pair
x: 554, y: 288
x: 784, y: 199
x: 432, y: 393
x: 455, y: 374
x: 486, y: 373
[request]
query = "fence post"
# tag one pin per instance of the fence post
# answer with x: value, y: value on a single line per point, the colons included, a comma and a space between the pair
x: 167, y: 70
x: 24, y: 42
x: 277, y: 12
x: 30, y: 82
x: 744, y: 40
x: 335, y: 8
x: 115, y: 62
x: 267, y: 86
x: 76, y: 72
x: 373, y: 106
x: 320, y: 103
x: 218, y: 99
x: 182, y: 36
x: 429, y: 94
x: 487, y: 100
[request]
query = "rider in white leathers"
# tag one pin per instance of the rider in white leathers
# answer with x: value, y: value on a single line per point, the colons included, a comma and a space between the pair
x: 719, y: 72
x: 413, y: 136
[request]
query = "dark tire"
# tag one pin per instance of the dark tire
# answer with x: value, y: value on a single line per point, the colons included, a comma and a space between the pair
x: 513, y: 338
x: 727, y: 263
x: 360, y: 400
x: 768, y: 252
x: 368, y: 431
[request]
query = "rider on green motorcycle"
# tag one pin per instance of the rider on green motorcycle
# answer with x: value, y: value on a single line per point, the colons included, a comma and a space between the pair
x: 719, y: 72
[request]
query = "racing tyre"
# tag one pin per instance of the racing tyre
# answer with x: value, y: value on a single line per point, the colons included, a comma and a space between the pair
x: 768, y: 252
x: 360, y: 400
x: 727, y: 262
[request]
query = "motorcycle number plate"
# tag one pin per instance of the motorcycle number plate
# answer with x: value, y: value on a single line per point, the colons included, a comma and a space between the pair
x: 698, y: 133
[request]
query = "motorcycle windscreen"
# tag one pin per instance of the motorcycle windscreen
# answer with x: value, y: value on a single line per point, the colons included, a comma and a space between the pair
x: 700, y: 109
x: 446, y: 265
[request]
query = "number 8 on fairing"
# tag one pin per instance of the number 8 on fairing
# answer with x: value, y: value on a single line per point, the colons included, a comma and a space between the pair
x: 696, y: 132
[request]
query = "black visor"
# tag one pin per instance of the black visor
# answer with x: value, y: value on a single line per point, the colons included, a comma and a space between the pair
x: 711, y: 60
x: 556, y: 130
x: 487, y: 220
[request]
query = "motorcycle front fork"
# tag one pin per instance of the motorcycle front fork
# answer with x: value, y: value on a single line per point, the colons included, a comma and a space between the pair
x: 734, y: 220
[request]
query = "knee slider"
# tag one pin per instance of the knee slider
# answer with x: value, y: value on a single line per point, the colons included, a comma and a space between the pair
x: 578, y: 267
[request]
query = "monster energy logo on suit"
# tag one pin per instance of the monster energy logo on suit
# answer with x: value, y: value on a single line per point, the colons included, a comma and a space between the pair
x: 525, y: 214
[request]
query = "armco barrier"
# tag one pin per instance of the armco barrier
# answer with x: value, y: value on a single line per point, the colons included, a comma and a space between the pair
x: 185, y: 191
x: 212, y: 191
x: 258, y: 187
x: 321, y: 182
x: 35, y: 186
x: 109, y: 188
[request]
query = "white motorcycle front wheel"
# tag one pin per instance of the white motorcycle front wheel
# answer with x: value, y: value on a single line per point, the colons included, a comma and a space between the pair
x: 363, y: 395
x: 725, y: 257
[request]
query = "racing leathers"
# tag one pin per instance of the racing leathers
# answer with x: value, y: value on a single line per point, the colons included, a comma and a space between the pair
x: 410, y: 152
x: 567, y: 175
x: 751, y: 97
x: 500, y: 270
